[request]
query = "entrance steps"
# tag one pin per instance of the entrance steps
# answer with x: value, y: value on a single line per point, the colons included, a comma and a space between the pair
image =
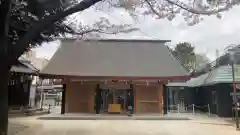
x: 110, y: 117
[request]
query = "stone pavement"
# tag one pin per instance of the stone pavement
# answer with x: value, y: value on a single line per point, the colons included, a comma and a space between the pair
x: 83, y: 116
x: 200, y: 117
x: 131, y: 127
x: 198, y: 125
x: 20, y: 124
x: 55, y: 115
x: 15, y: 128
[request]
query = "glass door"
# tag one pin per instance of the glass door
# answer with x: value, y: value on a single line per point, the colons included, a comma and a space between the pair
x: 113, y: 96
x: 121, y: 98
x: 107, y: 97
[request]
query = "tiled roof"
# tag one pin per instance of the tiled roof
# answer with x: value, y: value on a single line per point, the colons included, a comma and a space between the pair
x: 118, y: 58
x: 222, y: 74
x: 24, y: 66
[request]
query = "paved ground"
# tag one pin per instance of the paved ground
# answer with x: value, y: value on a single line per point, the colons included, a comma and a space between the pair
x: 16, y: 128
x: 198, y: 126
x: 21, y: 124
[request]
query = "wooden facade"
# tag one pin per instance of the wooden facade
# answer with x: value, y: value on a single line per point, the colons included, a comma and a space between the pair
x: 148, y: 99
x: 113, y: 73
x: 80, y: 97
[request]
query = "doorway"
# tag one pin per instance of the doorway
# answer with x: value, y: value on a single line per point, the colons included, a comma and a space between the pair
x: 114, y: 97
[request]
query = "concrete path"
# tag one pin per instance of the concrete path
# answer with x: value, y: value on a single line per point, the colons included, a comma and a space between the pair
x: 16, y: 128
x: 131, y: 127
x: 21, y: 124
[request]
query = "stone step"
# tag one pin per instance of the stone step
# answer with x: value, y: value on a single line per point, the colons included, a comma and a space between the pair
x: 64, y: 117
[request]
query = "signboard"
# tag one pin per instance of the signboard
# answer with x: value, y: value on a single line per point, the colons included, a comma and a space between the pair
x: 238, y: 93
x: 237, y: 70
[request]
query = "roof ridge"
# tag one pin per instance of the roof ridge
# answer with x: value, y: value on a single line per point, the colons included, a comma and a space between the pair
x: 116, y: 40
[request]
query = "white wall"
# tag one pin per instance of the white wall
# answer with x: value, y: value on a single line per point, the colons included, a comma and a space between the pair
x: 39, y: 63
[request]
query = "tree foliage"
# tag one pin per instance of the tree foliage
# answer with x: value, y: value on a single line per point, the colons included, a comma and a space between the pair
x: 28, y: 23
x: 185, y: 53
x: 201, y: 60
x: 193, y: 11
x: 26, y: 13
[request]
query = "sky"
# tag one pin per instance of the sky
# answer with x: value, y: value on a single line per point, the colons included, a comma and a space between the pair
x: 209, y: 35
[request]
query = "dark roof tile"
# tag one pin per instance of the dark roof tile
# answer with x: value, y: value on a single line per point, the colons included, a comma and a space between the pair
x: 110, y: 58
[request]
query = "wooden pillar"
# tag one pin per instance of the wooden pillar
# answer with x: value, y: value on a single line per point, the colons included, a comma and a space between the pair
x: 160, y: 98
x: 168, y: 98
x: 92, y: 100
x: 63, y: 99
x: 132, y: 98
x: 98, y: 99
x: 165, y: 98
x: 135, y: 99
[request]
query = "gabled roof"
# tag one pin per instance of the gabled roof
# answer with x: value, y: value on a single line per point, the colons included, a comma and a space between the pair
x: 114, y: 58
x: 24, y: 66
x: 193, y: 82
x: 222, y: 74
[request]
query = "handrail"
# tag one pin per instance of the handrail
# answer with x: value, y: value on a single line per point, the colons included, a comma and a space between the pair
x: 193, y: 106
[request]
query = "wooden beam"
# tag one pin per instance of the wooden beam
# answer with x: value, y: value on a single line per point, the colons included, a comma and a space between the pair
x: 135, y: 98
x: 160, y: 98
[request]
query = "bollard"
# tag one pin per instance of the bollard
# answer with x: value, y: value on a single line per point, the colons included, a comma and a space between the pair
x: 193, y: 108
x: 209, y: 112
x: 49, y: 106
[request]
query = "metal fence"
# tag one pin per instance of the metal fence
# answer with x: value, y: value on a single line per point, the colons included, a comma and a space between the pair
x: 188, y: 108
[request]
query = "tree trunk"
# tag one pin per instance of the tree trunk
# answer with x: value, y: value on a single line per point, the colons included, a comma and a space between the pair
x: 4, y: 73
x: 5, y: 9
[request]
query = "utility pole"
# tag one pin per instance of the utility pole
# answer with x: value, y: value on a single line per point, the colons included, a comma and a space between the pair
x: 234, y: 89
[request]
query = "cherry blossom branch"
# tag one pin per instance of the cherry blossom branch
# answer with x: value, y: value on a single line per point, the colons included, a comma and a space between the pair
x: 185, y: 7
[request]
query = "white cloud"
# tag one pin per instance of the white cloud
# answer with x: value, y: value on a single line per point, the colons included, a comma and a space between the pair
x: 207, y: 36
